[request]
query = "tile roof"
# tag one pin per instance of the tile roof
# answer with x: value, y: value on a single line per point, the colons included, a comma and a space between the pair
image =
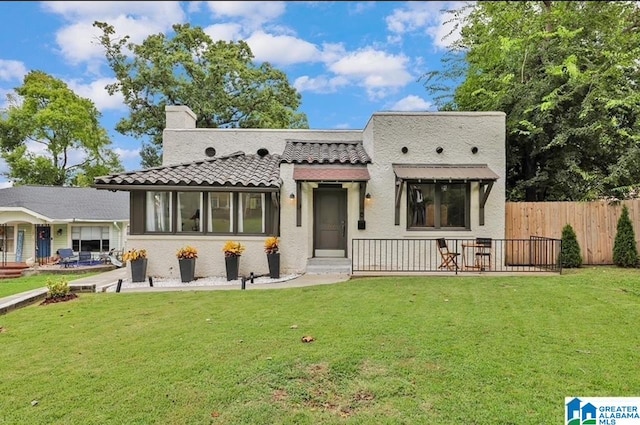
x: 236, y: 169
x: 64, y: 203
x: 325, y: 152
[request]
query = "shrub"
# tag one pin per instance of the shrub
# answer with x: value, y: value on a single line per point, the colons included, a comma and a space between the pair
x: 625, y: 251
x: 570, y: 255
x: 58, y: 288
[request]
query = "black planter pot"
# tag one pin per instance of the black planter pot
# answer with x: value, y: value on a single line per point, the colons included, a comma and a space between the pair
x: 232, y: 264
x: 138, y: 270
x: 274, y: 265
x: 187, y: 269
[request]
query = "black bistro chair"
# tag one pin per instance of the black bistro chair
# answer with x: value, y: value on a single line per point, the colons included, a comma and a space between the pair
x: 483, y: 253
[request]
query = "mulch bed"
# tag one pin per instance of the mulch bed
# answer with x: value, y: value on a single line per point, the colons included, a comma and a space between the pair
x: 67, y: 297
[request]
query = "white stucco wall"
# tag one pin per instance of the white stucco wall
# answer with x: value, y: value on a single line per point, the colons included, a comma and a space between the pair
x: 456, y: 132
x: 383, y: 138
x: 188, y: 144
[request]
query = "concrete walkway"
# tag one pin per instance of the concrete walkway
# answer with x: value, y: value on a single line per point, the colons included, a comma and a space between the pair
x: 100, y: 282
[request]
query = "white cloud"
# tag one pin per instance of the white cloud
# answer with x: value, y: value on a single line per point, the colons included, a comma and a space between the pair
x: 127, y: 155
x: 377, y: 68
x: 380, y: 73
x: 321, y: 84
x: 253, y: 13
x: 225, y: 32
x: 194, y: 6
x: 282, y: 49
x: 96, y: 91
x: 11, y: 70
x: 426, y: 17
x: 412, y: 103
x: 77, y: 41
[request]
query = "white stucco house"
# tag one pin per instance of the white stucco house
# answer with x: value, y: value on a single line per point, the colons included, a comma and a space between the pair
x: 406, y: 176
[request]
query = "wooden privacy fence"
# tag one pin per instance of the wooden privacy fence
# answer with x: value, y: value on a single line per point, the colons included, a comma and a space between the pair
x: 595, y: 224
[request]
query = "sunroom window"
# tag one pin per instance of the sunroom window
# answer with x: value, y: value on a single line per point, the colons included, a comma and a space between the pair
x: 158, y: 207
x: 209, y: 212
x: 189, y: 206
x: 438, y: 205
x: 221, y: 212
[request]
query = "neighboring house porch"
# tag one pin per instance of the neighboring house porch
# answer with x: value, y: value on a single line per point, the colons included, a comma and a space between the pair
x: 36, y: 221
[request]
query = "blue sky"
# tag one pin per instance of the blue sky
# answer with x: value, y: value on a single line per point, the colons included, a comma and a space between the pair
x: 347, y: 59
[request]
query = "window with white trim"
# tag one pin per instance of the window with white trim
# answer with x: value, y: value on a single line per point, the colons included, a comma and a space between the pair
x: 90, y: 238
x: 7, y: 238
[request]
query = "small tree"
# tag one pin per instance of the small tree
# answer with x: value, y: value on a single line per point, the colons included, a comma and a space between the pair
x: 625, y: 251
x: 570, y: 255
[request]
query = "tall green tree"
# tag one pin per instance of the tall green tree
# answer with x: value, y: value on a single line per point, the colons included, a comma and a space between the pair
x: 217, y: 80
x: 59, y: 125
x: 566, y: 74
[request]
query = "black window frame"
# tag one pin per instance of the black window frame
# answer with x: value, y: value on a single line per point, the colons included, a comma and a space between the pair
x: 139, y: 206
x: 437, y: 201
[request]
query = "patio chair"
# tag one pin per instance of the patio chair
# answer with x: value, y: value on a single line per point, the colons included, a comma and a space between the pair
x: 67, y: 257
x: 483, y: 253
x: 449, y: 259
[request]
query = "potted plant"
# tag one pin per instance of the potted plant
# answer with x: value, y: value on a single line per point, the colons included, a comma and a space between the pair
x: 187, y: 260
x: 232, y: 252
x: 273, y: 256
x: 137, y: 258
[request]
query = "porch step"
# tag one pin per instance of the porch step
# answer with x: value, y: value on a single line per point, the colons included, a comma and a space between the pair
x: 327, y: 265
x: 12, y: 270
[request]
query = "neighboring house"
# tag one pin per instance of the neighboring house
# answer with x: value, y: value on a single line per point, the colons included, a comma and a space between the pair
x: 404, y: 176
x: 36, y: 221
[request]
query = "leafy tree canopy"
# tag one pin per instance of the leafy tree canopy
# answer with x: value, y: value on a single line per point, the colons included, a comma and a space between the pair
x: 217, y: 80
x: 566, y: 74
x: 58, y: 125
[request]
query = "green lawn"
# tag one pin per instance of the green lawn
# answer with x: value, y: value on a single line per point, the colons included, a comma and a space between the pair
x: 420, y: 350
x: 22, y: 284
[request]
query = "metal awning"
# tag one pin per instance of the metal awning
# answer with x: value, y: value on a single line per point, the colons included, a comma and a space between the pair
x: 480, y: 173
x: 445, y: 172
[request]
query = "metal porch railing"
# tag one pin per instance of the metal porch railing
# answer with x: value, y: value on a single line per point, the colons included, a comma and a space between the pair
x: 536, y: 254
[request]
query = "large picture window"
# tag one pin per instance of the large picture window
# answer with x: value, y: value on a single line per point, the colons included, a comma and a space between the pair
x: 438, y: 205
x: 90, y: 238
